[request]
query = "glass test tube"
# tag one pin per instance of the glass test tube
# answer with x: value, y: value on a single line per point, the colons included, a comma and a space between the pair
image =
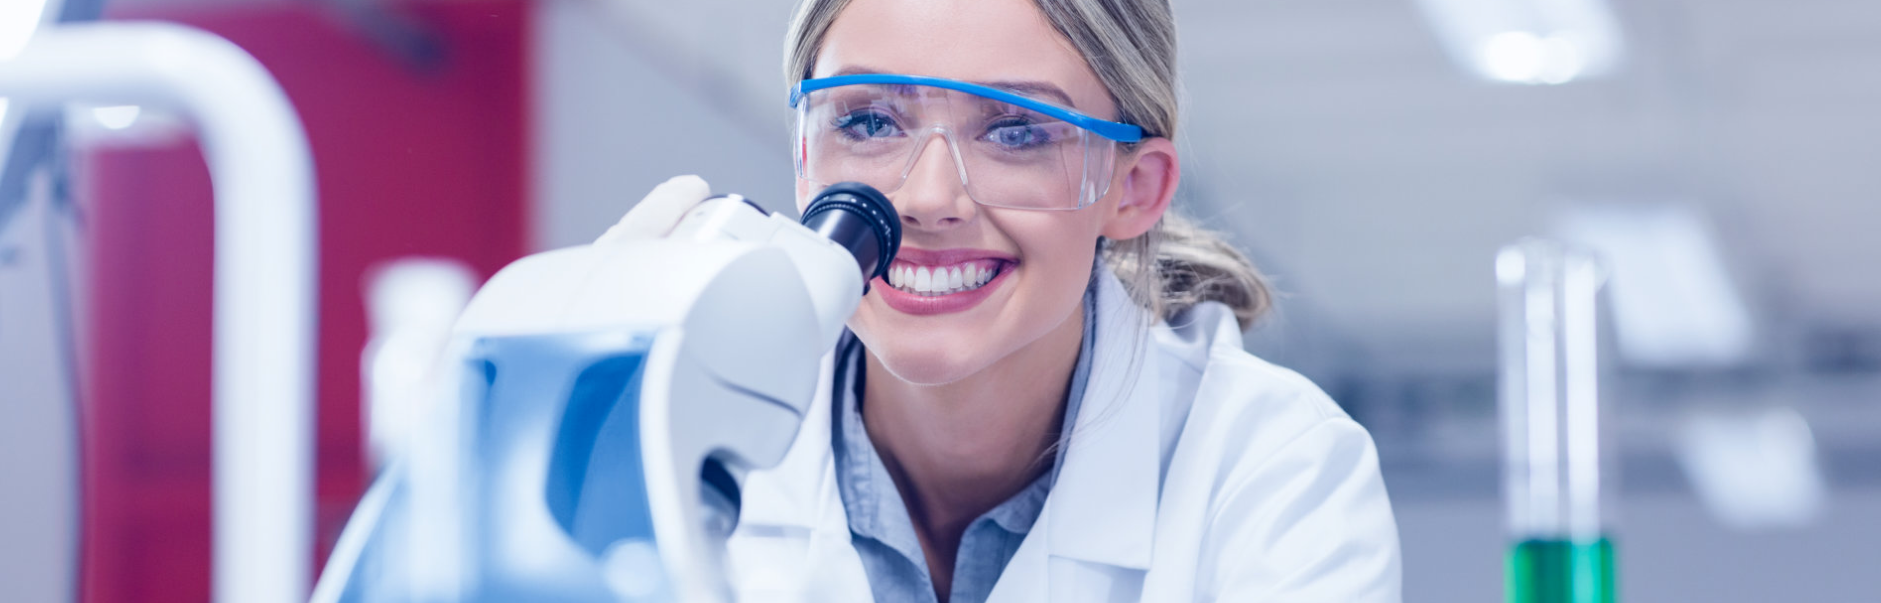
x: 1552, y: 479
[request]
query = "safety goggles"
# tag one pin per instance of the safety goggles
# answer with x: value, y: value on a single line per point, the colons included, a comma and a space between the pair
x: 1008, y: 150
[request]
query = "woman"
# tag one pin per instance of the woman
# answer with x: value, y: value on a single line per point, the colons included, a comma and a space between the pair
x: 1048, y: 398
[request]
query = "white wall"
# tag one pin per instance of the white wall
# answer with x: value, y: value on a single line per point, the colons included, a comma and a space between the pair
x: 616, y: 115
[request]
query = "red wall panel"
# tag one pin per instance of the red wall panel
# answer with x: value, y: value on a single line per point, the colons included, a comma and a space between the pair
x: 409, y: 161
x: 146, y: 415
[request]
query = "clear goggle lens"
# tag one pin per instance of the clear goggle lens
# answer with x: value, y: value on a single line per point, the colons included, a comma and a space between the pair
x: 1005, y: 155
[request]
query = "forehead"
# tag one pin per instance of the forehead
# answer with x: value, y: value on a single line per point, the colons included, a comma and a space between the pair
x: 986, y: 41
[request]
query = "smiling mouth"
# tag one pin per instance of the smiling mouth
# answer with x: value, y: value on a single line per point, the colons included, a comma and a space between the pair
x: 935, y: 281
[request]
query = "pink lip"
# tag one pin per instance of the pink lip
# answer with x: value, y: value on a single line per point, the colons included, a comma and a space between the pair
x: 920, y: 305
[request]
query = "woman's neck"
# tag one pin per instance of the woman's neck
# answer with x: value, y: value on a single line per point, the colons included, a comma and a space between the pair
x: 958, y: 450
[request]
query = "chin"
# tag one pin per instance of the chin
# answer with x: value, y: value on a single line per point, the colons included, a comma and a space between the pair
x: 927, y: 364
x: 934, y: 355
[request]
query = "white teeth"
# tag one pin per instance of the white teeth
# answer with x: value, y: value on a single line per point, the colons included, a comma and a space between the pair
x: 935, y: 281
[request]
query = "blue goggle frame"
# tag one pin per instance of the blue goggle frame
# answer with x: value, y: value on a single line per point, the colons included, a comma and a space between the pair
x: 1120, y: 132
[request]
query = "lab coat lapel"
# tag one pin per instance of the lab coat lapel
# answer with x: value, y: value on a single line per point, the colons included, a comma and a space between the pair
x: 1104, y: 501
x: 1092, y: 539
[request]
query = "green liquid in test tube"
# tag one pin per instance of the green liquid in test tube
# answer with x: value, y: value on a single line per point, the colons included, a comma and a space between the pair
x: 1560, y: 549
x: 1561, y: 571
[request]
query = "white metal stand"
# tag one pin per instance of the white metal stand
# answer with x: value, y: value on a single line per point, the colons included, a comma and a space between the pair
x: 262, y: 176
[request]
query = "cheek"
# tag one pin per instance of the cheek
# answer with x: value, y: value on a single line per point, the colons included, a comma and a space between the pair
x: 1050, y: 237
x: 1057, y: 251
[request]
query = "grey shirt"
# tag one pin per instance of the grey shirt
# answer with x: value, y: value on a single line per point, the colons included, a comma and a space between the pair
x: 879, y: 525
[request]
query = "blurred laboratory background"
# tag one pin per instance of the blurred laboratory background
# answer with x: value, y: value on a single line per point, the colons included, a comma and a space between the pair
x: 1372, y: 156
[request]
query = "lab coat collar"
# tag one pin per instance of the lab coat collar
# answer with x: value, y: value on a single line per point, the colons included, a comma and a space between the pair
x: 1101, y: 508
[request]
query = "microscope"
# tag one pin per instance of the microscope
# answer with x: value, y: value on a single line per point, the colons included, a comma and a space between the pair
x: 600, y: 406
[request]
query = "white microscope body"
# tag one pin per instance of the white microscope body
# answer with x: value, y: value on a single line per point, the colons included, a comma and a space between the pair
x: 679, y: 363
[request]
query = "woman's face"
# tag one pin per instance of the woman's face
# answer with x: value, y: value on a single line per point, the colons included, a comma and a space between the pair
x: 1041, y: 260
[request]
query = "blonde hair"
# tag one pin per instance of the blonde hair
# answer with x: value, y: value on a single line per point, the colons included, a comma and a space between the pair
x: 1131, y: 45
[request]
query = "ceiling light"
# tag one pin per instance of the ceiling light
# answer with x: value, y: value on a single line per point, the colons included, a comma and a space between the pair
x: 1753, y: 469
x: 1513, y: 56
x: 1528, y: 41
x: 1674, y: 306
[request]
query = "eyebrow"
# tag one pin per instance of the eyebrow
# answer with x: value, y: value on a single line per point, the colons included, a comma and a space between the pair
x: 1021, y: 87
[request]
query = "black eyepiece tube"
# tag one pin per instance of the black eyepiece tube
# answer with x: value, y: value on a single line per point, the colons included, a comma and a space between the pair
x: 859, y: 218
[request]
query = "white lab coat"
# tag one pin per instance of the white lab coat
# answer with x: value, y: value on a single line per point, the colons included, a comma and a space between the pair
x: 1204, y: 474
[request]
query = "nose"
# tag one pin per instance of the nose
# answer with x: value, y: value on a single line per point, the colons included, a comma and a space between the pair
x: 934, y: 196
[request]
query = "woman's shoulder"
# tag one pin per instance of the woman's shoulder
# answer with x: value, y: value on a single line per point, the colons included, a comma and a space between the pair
x: 1214, y: 398
x: 1233, y: 394
x: 1277, y: 490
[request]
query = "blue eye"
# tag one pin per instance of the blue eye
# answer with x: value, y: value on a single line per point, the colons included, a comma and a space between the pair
x: 862, y: 125
x: 1018, y: 134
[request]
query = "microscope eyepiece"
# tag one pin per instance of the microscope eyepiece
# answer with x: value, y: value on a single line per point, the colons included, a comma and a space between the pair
x: 859, y: 218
